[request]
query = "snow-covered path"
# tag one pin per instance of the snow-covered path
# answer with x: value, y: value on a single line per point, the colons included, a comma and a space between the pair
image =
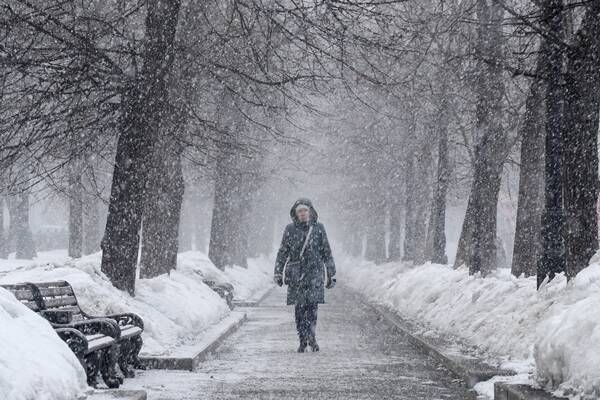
x: 361, y: 358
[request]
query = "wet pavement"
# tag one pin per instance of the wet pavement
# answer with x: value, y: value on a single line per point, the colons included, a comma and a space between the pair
x: 361, y: 357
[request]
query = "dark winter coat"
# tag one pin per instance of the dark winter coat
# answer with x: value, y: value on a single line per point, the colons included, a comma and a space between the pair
x: 317, y: 258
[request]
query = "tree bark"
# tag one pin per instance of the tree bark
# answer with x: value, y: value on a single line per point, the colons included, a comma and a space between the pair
x: 203, y: 205
x: 92, y: 234
x: 582, y: 104
x: 417, y: 196
x: 410, y: 210
x: 437, y: 226
x: 75, y: 213
x: 160, y: 239
x: 527, y: 246
x: 478, y: 246
x: 3, y: 237
x: 464, y: 241
x: 422, y: 201
x: 188, y: 221
x: 143, y: 109
x: 223, y: 234
x: 395, y: 244
x: 552, y: 260
x: 19, y: 222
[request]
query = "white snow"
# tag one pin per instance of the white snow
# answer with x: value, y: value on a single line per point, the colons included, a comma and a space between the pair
x: 553, y: 334
x: 35, y: 364
x: 177, y: 308
x: 246, y: 281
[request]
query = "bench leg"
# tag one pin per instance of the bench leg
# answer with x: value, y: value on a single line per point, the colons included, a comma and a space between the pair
x: 125, y: 348
x: 91, y: 369
x: 107, y: 367
x: 129, y: 351
x: 135, y: 353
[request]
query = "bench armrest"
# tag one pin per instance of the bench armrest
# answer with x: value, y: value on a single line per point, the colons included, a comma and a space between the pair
x: 75, y: 340
x: 103, y: 326
x: 124, y: 319
x: 58, y: 316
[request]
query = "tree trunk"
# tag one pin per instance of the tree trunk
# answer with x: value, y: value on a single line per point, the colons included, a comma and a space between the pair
x: 3, y: 237
x: 582, y: 105
x: 410, y: 210
x: 203, y: 207
x: 478, y: 247
x: 143, y: 109
x: 160, y: 239
x: 552, y: 260
x: 188, y: 221
x: 466, y: 233
x: 437, y: 226
x: 394, y: 247
x: 422, y: 201
x: 223, y: 234
x: 75, y: 213
x: 376, y: 251
x: 19, y: 221
x: 527, y: 246
x: 92, y: 234
x: 415, y: 219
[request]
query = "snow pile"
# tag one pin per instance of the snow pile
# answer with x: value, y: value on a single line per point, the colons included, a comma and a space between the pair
x: 176, y: 308
x: 557, y: 329
x: 34, y: 362
x: 246, y: 281
x: 567, y: 345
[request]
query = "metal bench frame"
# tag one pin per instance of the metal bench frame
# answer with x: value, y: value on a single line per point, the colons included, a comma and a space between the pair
x: 57, y: 297
x: 98, y: 355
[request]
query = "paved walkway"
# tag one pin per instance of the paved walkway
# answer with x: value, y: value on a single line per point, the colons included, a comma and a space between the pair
x: 361, y: 358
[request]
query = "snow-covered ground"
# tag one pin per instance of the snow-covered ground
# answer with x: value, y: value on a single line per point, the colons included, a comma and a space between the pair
x: 176, y: 308
x: 551, y: 337
x: 34, y: 362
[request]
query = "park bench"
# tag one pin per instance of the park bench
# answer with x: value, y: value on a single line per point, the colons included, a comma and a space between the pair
x: 60, y: 306
x: 93, y: 342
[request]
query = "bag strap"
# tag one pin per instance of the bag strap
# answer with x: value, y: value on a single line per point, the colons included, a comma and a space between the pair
x: 306, y: 241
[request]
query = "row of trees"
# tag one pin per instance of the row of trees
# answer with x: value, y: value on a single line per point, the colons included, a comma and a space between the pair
x: 130, y: 100
x: 492, y: 87
x: 419, y: 102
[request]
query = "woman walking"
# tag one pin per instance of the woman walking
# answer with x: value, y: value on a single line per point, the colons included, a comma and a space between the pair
x: 305, y: 257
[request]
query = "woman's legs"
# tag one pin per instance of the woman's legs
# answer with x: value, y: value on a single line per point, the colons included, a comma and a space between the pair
x: 311, y: 317
x: 306, y: 324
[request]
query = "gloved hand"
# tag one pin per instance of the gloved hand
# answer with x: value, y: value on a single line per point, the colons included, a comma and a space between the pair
x: 278, y: 279
x: 330, y: 282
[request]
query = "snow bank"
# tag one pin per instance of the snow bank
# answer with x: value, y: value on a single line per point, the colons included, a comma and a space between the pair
x: 556, y: 331
x: 176, y: 308
x: 34, y: 363
x: 246, y: 281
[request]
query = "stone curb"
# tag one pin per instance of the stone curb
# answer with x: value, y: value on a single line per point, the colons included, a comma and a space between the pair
x: 504, y: 391
x: 469, y: 369
x: 117, y: 394
x: 200, y: 353
x: 256, y: 300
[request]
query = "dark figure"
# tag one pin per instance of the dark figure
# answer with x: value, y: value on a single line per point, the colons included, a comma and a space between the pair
x: 306, y: 262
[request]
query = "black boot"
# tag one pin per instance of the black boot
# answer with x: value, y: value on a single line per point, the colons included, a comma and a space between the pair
x: 303, y: 343
x: 312, y: 341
